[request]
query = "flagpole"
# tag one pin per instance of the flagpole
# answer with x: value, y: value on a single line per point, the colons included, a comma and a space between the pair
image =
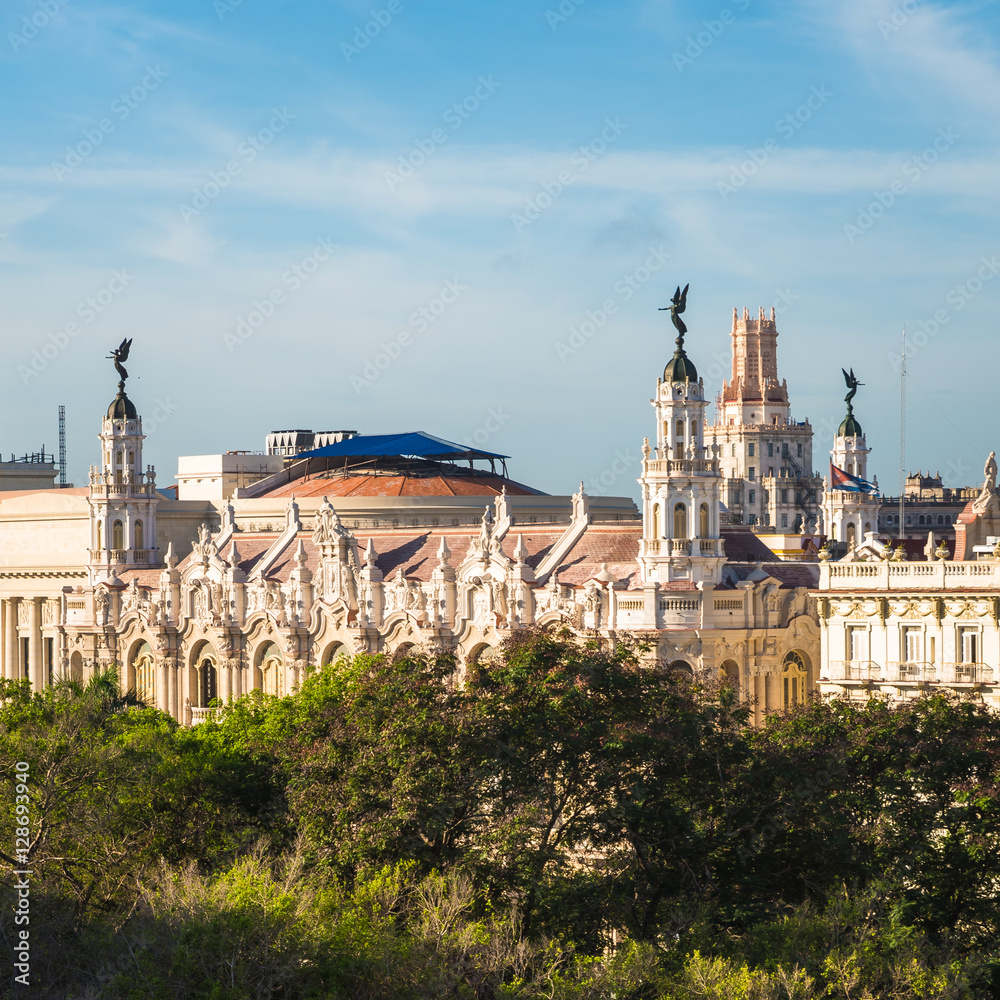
x: 902, y: 435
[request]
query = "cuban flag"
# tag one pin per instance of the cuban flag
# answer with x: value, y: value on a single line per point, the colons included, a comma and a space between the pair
x: 840, y: 480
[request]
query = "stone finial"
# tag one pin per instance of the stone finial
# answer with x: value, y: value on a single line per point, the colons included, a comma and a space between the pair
x: 300, y: 554
x: 234, y: 555
x: 520, y: 551
x: 443, y: 553
x: 171, y: 557
x: 292, y: 515
x: 370, y: 554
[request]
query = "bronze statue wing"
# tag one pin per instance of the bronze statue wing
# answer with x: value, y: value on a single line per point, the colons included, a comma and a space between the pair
x: 124, y: 348
x: 684, y: 297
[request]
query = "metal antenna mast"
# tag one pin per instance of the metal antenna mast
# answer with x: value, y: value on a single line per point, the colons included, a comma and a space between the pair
x: 62, y: 447
x: 902, y: 435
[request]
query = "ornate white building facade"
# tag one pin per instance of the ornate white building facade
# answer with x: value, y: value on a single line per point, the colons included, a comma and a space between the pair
x: 197, y: 600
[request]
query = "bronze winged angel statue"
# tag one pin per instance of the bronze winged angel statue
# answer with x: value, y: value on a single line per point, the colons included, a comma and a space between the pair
x: 120, y: 355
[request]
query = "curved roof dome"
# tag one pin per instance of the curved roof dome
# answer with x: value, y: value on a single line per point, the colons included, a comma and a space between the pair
x: 679, y: 368
x: 121, y: 408
x: 849, y: 427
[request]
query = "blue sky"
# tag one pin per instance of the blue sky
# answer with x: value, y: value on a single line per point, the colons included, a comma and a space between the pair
x: 427, y: 198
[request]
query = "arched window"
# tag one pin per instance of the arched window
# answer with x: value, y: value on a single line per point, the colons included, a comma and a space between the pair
x: 794, y: 674
x: 100, y: 534
x: 851, y: 534
x: 657, y: 525
x: 76, y: 667
x: 947, y: 519
x: 680, y: 430
x: 140, y: 536
x: 680, y: 521
x: 920, y: 520
x: 143, y: 674
x: 703, y: 529
x: 694, y: 429
x: 272, y: 670
x: 117, y: 535
x: 208, y: 682
x: 729, y: 673
x: 941, y: 519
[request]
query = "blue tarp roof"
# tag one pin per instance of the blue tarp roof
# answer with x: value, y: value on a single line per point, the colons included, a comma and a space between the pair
x: 412, y: 443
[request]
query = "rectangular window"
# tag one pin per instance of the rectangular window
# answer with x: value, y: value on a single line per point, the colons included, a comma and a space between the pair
x: 734, y: 451
x: 770, y: 449
x: 752, y: 497
x: 857, y: 643
x: 784, y: 520
x: 784, y: 496
x: 750, y: 450
x: 49, y: 659
x: 968, y: 645
x: 680, y: 429
x: 750, y: 473
x: 753, y: 519
x: 25, y: 658
x: 913, y: 644
x: 784, y: 449
x: 798, y: 496
x: 798, y: 449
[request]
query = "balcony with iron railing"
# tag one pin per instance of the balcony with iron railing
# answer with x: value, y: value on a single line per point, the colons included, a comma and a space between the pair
x: 909, y: 672
x: 967, y: 673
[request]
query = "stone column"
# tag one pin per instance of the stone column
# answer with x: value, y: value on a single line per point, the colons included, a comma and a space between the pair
x: 225, y: 677
x: 162, y: 693
x: 173, y: 707
x: 10, y: 667
x: 35, y: 659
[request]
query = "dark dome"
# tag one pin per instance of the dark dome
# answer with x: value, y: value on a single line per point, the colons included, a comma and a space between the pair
x: 679, y: 368
x: 121, y: 408
x: 849, y: 427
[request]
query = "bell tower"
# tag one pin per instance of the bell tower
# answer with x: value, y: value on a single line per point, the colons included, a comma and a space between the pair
x: 850, y: 509
x: 680, y: 481
x: 123, y: 498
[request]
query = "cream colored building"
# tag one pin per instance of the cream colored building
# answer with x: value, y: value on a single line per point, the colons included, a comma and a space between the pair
x: 242, y: 585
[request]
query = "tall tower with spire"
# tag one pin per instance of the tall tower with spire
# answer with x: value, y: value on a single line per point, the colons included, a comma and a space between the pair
x: 123, y: 498
x: 765, y: 455
x: 680, y: 480
x: 849, y: 513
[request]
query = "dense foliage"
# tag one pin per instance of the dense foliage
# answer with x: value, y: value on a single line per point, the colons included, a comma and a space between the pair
x: 565, y: 823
